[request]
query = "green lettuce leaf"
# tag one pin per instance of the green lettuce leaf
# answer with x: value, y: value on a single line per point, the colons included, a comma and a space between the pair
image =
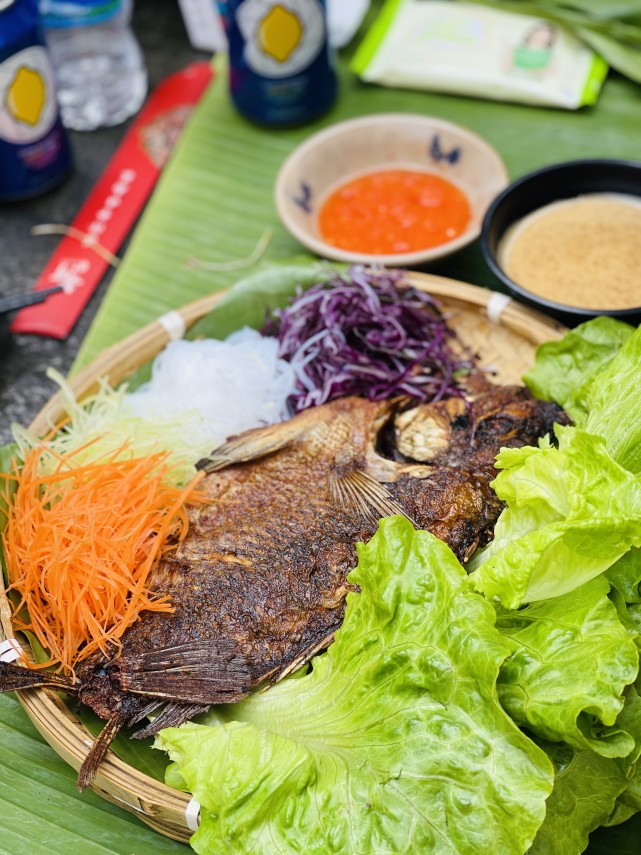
x: 268, y: 286
x: 564, y: 369
x: 593, y: 373
x: 614, y: 405
x: 572, y: 659
x: 577, y: 806
x: 394, y: 742
x: 572, y: 512
x: 629, y: 801
x: 625, y: 576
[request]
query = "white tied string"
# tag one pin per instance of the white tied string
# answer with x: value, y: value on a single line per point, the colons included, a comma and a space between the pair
x: 10, y: 650
x: 496, y: 305
x: 173, y: 324
x: 192, y: 815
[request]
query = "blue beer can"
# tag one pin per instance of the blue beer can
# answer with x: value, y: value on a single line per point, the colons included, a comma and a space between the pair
x: 281, y: 67
x: 34, y: 149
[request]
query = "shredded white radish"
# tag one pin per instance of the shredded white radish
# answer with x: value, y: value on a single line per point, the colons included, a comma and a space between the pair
x: 223, y: 387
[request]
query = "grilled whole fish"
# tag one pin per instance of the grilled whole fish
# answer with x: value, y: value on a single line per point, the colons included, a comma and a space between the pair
x: 259, y: 583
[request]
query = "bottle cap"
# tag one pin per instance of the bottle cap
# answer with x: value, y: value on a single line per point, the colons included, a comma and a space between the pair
x: 77, y: 13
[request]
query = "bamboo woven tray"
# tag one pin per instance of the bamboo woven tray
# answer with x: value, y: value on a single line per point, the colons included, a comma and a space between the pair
x: 502, y: 332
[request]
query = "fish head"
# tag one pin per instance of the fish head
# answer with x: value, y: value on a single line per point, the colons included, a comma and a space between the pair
x: 100, y: 689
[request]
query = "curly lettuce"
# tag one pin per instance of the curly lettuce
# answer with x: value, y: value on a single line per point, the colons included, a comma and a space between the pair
x: 565, y: 369
x: 572, y: 512
x: 395, y: 741
x: 571, y: 662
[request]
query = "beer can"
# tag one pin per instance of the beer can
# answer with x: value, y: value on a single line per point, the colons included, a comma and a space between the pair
x: 281, y: 67
x: 35, y: 153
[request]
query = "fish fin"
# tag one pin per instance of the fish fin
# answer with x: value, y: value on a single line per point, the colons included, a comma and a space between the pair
x: 359, y: 490
x: 203, y: 672
x: 13, y: 678
x: 98, y: 750
x: 146, y: 711
x: 172, y: 715
x: 250, y: 445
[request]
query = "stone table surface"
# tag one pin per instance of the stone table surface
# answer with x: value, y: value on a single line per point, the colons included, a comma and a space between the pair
x: 24, y: 387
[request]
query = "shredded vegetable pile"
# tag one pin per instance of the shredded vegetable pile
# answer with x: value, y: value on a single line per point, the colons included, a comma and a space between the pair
x: 200, y: 392
x: 80, y: 543
x: 366, y: 333
x: 218, y: 388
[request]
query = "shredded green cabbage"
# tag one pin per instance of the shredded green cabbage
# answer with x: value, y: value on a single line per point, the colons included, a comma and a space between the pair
x: 101, y: 424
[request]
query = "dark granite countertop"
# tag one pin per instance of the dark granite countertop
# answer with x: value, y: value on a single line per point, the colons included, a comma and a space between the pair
x: 24, y: 387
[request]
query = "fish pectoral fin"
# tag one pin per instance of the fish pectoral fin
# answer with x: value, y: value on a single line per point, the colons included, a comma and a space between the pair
x: 362, y: 492
x: 171, y: 715
x: 250, y: 445
x: 99, y: 749
x: 206, y: 672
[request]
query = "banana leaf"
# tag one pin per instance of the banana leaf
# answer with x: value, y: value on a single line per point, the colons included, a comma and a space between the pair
x: 41, y: 811
x: 213, y: 204
x: 215, y: 198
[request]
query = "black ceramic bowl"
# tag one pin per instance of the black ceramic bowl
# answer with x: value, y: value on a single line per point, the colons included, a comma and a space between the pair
x: 552, y: 184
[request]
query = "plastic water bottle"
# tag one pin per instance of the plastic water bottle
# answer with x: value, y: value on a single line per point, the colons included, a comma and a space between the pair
x: 34, y: 149
x: 100, y: 69
x: 281, y: 67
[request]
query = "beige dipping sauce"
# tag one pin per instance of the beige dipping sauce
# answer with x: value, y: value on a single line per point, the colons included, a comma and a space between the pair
x: 583, y: 252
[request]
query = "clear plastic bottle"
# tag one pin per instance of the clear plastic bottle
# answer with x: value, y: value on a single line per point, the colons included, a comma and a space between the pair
x: 99, y: 66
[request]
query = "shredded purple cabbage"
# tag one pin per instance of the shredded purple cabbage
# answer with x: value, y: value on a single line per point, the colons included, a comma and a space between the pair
x: 367, y: 333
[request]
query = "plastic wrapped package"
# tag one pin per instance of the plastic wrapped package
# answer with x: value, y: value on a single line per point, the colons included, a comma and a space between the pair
x: 468, y: 49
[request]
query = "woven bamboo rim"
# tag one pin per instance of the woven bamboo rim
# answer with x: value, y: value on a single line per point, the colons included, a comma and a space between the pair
x: 504, y: 334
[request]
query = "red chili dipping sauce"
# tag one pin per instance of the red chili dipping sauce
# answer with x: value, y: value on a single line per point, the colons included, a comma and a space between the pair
x: 394, y: 211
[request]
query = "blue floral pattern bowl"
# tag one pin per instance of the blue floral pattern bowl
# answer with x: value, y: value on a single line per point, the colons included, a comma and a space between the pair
x: 375, y: 142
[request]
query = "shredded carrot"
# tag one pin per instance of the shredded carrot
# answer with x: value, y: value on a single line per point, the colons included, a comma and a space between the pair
x: 80, y: 543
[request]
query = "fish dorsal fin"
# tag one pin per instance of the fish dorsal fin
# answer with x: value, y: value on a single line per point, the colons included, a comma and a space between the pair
x: 13, y: 678
x: 251, y: 445
x: 211, y: 671
x: 358, y: 490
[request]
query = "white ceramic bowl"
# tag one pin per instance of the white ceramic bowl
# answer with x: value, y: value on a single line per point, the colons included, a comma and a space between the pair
x: 385, y: 141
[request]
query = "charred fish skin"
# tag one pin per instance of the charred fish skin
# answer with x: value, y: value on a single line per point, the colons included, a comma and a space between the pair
x: 264, y: 567
x: 457, y: 442
x: 259, y: 583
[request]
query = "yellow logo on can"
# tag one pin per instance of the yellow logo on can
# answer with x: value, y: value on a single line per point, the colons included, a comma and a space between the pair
x: 26, y: 96
x: 280, y: 33
x: 283, y: 38
x: 28, y: 104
